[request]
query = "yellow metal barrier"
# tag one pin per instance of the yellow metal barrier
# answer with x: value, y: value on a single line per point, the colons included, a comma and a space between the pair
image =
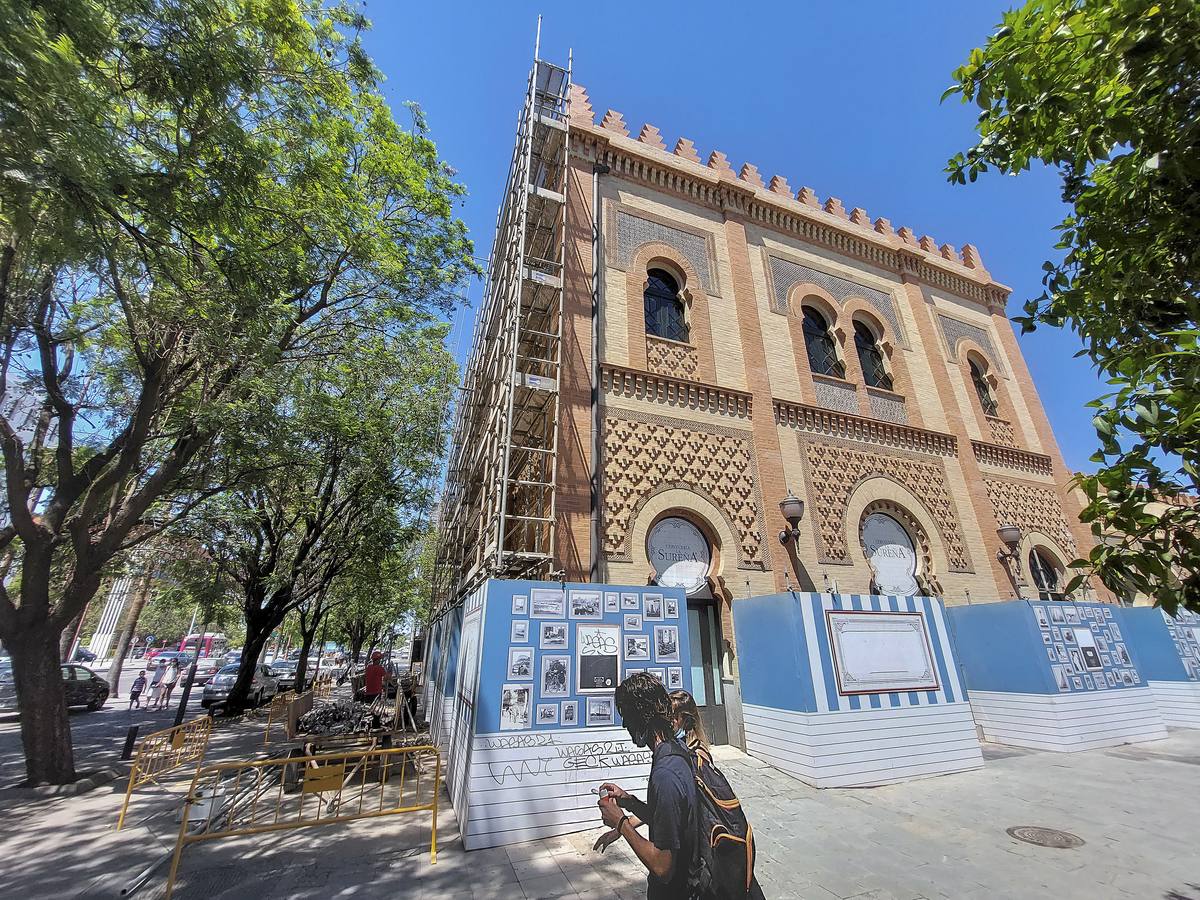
x: 275, y: 713
x: 163, y: 752
x: 244, y: 798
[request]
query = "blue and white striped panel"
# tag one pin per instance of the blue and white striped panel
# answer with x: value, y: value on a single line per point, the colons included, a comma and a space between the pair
x: 822, y: 668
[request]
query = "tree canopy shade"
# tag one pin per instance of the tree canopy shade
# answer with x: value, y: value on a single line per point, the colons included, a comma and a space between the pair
x: 1108, y: 93
x: 196, y: 198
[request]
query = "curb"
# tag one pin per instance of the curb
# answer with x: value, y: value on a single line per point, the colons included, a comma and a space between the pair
x: 88, y: 782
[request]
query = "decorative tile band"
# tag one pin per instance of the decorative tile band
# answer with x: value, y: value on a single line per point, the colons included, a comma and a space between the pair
x: 955, y: 330
x: 887, y: 406
x: 634, y: 231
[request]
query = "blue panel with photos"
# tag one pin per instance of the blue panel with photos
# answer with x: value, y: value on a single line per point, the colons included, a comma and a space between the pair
x: 1048, y: 647
x: 552, y: 654
x: 1167, y: 647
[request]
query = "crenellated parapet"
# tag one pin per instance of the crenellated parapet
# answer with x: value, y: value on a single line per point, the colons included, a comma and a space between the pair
x: 715, y: 181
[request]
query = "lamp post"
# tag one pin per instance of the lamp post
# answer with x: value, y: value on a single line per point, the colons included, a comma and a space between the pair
x: 1009, y: 555
x: 792, y: 508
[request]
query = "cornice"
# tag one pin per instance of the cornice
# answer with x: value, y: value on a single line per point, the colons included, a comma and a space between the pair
x: 676, y: 392
x: 645, y: 160
x: 1011, y: 458
x: 818, y: 420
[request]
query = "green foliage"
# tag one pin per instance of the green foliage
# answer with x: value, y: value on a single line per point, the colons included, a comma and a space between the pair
x: 198, y: 199
x: 1108, y: 93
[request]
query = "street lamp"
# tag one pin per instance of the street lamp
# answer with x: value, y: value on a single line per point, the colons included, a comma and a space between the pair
x: 792, y: 508
x: 1010, y: 558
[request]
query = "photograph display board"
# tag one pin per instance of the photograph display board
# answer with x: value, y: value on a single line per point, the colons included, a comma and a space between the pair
x: 876, y: 652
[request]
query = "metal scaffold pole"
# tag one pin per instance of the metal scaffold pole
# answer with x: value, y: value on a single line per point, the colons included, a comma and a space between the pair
x: 497, y: 512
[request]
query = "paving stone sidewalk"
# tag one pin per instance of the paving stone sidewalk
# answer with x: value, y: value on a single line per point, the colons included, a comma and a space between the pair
x: 1134, y: 806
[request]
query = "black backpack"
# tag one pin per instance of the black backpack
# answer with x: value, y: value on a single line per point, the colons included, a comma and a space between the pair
x: 723, y: 865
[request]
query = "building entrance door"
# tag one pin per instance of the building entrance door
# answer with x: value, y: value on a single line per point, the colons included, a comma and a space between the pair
x: 704, y: 635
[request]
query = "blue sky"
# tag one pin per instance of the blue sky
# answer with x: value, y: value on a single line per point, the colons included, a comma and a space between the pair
x: 842, y: 98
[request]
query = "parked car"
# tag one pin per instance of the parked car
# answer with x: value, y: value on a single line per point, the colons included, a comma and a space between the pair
x: 207, y: 668
x: 233, y: 657
x: 284, y: 671
x: 82, y: 687
x: 262, y: 688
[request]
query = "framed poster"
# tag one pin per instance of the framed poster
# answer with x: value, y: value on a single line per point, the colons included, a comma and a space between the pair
x: 553, y: 636
x: 520, y: 604
x: 637, y: 647
x: 586, y: 605
x: 674, y: 678
x: 570, y: 712
x: 633, y: 622
x: 1043, y: 619
x: 556, y: 677
x: 601, y: 710
x: 547, y: 604
x: 520, y: 631
x: 515, y: 707
x: 652, y: 610
x: 1087, y: 646
x: 881, y: 652
x: 597, y: 658
x: 520, y: 663
x: 612, y: 602
x: 547, y: 714
x: 666, y: 643
x: 631, y: 601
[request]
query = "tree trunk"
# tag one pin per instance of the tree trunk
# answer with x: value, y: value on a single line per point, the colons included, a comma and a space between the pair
x: 302, y: 664
x: 256, y: 640
x: 45, y: 728
x: 125, y: 636
x: 68, y: 635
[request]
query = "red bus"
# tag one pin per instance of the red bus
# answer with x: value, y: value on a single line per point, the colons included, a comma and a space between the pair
x: 210, y: 644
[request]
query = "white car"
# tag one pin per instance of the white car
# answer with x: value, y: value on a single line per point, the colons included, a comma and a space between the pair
x: 262, y: 688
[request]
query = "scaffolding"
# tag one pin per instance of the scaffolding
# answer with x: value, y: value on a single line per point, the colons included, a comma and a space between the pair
x: 497, y: 513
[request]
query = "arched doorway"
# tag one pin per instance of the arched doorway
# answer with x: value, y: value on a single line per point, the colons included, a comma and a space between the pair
x: 681, y: 555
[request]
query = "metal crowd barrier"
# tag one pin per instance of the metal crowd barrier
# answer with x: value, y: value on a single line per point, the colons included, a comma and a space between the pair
x: 244, y: 798
x: 162, y: 752
x: 275, y: 713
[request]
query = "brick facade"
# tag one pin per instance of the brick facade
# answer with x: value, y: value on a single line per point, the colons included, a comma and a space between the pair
x: 719, y: 428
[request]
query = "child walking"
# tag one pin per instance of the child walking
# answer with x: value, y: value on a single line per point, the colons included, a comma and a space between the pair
x: 135, y: 690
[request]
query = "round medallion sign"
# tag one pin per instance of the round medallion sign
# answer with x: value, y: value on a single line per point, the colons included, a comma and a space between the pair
x: 891, y: 554
x: 679, y: 554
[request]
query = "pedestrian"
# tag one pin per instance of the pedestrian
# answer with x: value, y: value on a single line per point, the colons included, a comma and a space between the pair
x: 135, y: 690
x: 156, y: 687
x: 168, y: 683
x: 374, y: 677
x: 669, y: 809
x: 689, y: 731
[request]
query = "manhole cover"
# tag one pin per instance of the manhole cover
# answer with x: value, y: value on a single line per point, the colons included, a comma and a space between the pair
x: 1045, y: 837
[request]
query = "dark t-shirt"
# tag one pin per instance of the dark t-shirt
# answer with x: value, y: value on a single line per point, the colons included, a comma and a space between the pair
x: 669, y: 800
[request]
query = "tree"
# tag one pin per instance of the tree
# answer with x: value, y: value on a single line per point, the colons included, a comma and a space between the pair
x: 1108, y: 93
x: 195, y: 196
x: 357, y: 448
x: 373, y: 595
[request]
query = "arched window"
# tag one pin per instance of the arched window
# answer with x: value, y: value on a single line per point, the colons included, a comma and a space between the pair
x: 664, y: 309
x: 871, y: 358
x: 1043, y: 572
x: 822, y: 353
x: 983, y: 389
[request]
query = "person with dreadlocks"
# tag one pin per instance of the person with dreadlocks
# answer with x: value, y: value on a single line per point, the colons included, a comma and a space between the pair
x: 669, y: 810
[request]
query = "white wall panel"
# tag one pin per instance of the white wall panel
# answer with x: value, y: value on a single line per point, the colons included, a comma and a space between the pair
x: 1068, y: 722
x: 1178, y: 702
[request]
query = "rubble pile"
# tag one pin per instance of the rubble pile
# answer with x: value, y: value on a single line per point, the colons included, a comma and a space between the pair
x: 344, y: 717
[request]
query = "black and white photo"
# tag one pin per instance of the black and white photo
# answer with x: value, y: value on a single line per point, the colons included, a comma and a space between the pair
x: 570, y: 712
x: 1077, y: 682
x: 1115, y: 631
x: 1056, y: 614
x: 1111, y: 678
x: 612, y: 602
x: 547, y: 604
x: 671, y: 608
x: 659, y: 675
x: 1122, y: 655
x: 1043, y: 619
x: 1127, y: 677
x: 553, y: 636
x: 520, y: 631
x: 520, y: 605
x: 637, y: 646
x: 520, y: 663
x: 633, y: 622
x: 1072, y: 615
x: 652, y: 607
x: 631, y: 601
x: 1077, y: 660
x: 1060, y: 678
x: 674, y: 678
x: 586, y: 605
x: 556, y: 676
x: 547, y: 714
x: 666, y: 643
x: 601, y: 710
x: 514, y: 707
